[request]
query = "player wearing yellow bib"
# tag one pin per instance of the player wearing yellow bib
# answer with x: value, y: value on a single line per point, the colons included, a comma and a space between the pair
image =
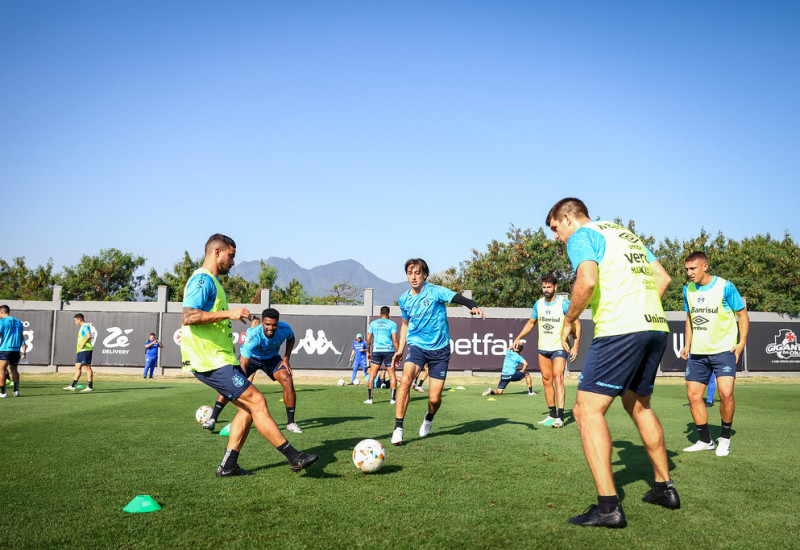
x: 623, y: 283
x: 83, y: 357
x: 550, y: 311
x: 207, y: 351
x: 713, y: 306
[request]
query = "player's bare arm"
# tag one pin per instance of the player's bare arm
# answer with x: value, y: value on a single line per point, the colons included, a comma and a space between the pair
x: 688, y: 344
x: 289, y: 348
x: 576, y: 339
x: 661, y: 276
x: 369, y: 347
x: 582, y: 291
x: 398, y: 355
x: 744, y: 329
x: 524, y: 332
x: 191, y: 316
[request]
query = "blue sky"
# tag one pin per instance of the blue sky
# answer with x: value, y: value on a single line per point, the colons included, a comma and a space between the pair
x: 379, y: 131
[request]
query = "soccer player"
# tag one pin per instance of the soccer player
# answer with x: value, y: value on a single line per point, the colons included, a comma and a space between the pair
x: 261, y: 352
x: 151, y: 346
x: 623, y: 283
x: 713, y: 306
x: 83, y: 359
x: 207, y: 351
x: 12, y: 348
x: 359, y: 358
x: 381, y: 345
x: 427, y: 333
x: 550, y: 311
x: 511, y: 374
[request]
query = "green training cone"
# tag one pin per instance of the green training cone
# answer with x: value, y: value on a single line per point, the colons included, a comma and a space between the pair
x: 226, y: 430
x: 79, y: 387
x: 141, y: 504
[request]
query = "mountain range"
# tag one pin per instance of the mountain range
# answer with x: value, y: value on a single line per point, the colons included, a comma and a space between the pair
x: 318, y: 281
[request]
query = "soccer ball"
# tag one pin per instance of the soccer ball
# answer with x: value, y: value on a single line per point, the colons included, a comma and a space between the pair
x: 368, y: 456
x: 356, y: 382
x: 203, y: 413
x: 340, y: 382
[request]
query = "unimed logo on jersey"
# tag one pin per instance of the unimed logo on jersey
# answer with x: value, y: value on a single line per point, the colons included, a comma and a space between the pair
x: 785, y: 346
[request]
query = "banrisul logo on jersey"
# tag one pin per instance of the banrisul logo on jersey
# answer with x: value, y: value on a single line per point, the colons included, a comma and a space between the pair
x: 785, y: 345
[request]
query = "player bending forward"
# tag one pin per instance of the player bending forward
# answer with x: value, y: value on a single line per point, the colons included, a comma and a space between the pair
x: 511, y: 374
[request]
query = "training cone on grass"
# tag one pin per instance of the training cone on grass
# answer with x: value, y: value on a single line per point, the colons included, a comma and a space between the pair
x: 141, y: 504
x: 79, y: 387
x: 226, y: 430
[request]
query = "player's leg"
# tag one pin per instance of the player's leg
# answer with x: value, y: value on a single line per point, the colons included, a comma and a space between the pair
x: 252, y: 402
x: 392, y: 380
x: 14, y: 378
x: 529, y: 383
x: 438, y: 362
x: 373, y: 373
x: 3, y: 365
x: 410, y: 371
x: 559, y: 364
x: 282, y: 376
x: 590, y: 409
x: 546, y: 368
x: 698, y: 374
x: 712, y: 387
x: 725, y: 370
x: 727, y: 404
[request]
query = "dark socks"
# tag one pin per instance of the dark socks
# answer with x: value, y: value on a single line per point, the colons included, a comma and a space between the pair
x: 289, y: 452
x: 289, y: 415
x: 703, y: 433
x: 726, y: 430
x: 660, y: 487
x: 561, y: 414
x: 553, y: 413
x: 429, y: 416
x: 217, y: 409
x: 74, y: 383
x: 393, y: 394
x: 607, y: 504
x: 530, y: 389
x: 90, y: 385
x: 369, y: 393
x: 2, y: 389
x: 230, y: 459
x: 398, y: 423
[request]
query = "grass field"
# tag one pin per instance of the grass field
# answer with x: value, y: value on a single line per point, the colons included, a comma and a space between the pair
x: 487, y: 477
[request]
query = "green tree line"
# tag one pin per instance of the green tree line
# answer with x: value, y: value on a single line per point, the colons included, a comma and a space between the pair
x: 506, y: 274
x: 110, y: 276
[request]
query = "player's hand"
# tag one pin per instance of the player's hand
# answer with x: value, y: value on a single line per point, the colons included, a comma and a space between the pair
x: 737, y: 351
x: 397, y: 359
x: 685, y: 353
x: 477, y: 311
x: 285, y: 363
x: 566, y: 331
x: 241, y: 313
x: 515, y: 346
x: 574, y: 353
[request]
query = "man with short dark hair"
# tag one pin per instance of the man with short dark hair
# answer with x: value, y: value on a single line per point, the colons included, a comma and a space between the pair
x: 551, y: 310
x: 207, y: 351
x: 261, y: 352
x: 359, y: 358
x: 381, y: 345
x: 425, y: 328
x: 12, y: 348
x: 713, y: 306
x: 150, y: 355
x: 623, y: 283
x: 83, y: 357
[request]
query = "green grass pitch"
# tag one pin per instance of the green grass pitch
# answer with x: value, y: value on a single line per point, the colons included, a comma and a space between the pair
x: 487, y: 477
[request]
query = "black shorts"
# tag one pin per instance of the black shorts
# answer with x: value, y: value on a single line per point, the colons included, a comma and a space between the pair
x: 84, y: 357
x: 11, y: 356
x: 270, y: 366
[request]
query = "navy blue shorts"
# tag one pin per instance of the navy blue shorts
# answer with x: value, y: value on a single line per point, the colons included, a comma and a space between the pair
x: 382, y: 358
x: 700, y: 367
x: 84, y: 357
x: 505, y: 379
x: 553, y: 354
x: 11, y: 356
x: 229, y: 380
x: 270, y: 366
x: 438, y: 360
x: 616, y: 364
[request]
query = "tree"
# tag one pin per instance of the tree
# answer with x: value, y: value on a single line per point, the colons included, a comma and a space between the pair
x: 174, y: 281
x: 340, y: 294
x: 508, y: 274
x: 18, y: 282
x: 107, y: 276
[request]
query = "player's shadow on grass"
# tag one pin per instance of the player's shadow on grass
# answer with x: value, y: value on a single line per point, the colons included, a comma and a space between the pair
x: 691, y: 432
x: 637, y: 465
x: 472, y: 426
x: 323, y: 421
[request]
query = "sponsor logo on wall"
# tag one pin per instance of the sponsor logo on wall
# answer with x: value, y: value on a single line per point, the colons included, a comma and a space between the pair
x: 319, y: 345
x: 785, y: 348
x: 117, y: 342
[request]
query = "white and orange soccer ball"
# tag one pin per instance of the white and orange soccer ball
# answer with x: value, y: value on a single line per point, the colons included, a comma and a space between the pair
x: 203, y: 413
x: 368, y: 456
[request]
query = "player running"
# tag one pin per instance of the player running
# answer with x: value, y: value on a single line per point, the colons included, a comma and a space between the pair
x: 427, y: 333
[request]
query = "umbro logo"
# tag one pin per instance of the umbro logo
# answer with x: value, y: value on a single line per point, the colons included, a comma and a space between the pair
x: 548, y: 326
x: 697, y: 320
